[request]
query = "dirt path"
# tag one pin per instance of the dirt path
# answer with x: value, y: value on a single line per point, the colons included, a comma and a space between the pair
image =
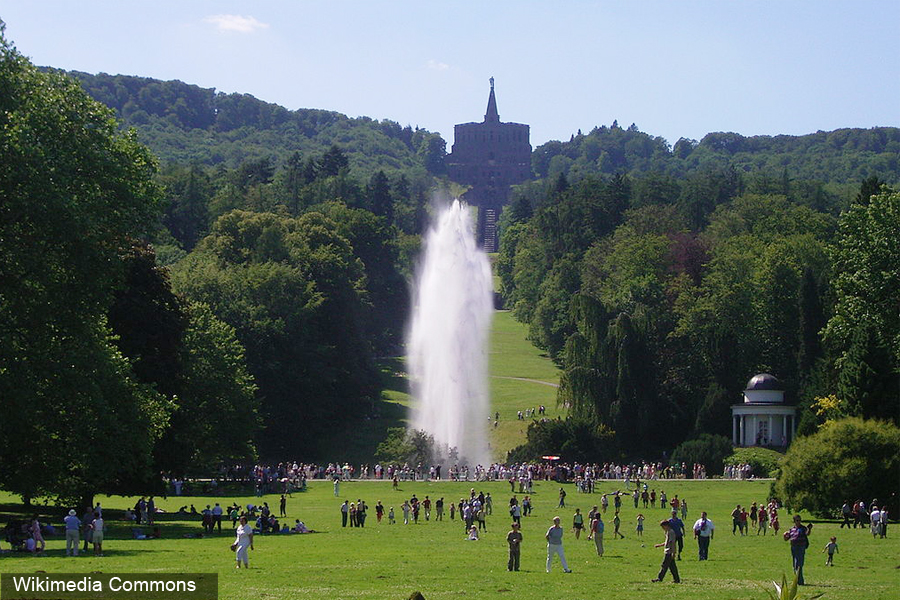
x: 554, y: 385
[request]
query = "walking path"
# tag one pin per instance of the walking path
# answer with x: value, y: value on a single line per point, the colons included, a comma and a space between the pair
x: 555, y: 385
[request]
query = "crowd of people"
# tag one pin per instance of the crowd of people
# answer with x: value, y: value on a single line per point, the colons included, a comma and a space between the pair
x: 286, y: 477
x: 859, y: 515
x: 29, y: 535
x: 636, y: 485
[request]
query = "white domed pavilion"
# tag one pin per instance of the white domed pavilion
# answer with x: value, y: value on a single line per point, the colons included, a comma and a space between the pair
x: 763, y: 419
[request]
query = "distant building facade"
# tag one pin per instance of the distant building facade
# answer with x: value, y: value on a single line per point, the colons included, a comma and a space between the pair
x: 763, y: 419
x: 489, y: 157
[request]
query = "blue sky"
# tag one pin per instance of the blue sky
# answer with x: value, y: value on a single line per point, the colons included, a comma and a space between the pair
x: 674, y: 68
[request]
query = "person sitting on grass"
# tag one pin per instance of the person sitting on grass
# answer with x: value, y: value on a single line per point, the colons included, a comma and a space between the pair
x: 473, y: 534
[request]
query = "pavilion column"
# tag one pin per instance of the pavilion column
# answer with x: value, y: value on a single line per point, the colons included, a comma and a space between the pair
x: 769, y: 431
x: 743, y: 419
x: 734, y: 430
x: 784, y: 429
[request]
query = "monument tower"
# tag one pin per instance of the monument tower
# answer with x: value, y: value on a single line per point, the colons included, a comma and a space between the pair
x: 489, y: 157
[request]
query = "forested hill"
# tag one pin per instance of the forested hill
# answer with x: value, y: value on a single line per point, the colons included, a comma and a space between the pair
x: 840, y: 156
x: 184, y: 123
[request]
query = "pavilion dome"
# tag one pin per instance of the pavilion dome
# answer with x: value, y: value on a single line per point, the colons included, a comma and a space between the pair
x: 764, y: 381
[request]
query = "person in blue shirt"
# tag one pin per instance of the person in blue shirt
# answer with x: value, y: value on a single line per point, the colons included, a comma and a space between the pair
x: 73, y: 524
x: 677, y: 526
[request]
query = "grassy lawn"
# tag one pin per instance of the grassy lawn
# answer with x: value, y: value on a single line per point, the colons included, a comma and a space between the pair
x: 391, y: 561
x: 521, y: 377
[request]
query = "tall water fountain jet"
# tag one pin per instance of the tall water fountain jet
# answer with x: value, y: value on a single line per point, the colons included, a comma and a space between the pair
x: 447, y: 343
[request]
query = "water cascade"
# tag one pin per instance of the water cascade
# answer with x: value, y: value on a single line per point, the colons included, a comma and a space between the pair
x: 447, y: 342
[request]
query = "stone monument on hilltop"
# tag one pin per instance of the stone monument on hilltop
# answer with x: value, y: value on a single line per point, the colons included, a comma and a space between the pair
x: 489, y: 157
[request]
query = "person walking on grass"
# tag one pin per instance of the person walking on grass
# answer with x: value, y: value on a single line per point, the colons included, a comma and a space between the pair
x: 703, y: 532
x: 736, y: 521
x: 798, y: 536
x: 668, y: 563
x: 763, y: 518
x: 831, y: 547
x: 616, y: 523
x: 577, y: 523
x: 514, y: 539
x: 554, y: 538
x: 597, y: 527
x: 243, y: 543
x: 678, y: 529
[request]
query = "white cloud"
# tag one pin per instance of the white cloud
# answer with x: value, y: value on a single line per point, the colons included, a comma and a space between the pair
x: 437, y: 66
x: 237, y: 23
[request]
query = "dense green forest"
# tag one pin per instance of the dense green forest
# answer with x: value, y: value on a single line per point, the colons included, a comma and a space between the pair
x: 185, y: 124
x: 210, y: 278
x: 198, y: 314
x: 835, y: 157
x: 660, y: 310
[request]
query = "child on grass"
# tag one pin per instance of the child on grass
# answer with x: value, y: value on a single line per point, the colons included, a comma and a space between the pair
x: 640, y: 525
x: 831, y: 547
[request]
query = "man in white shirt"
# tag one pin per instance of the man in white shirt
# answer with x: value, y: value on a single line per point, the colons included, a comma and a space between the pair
x: 217, y: 517
x: 703, y: 532
x: 875, y: 521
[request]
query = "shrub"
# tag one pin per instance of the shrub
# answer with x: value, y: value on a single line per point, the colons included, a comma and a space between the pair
x: 575, y: 440
x: 848, y: 459
x: 406, y: 446
x: 706, y: 449
x: 763, y: 461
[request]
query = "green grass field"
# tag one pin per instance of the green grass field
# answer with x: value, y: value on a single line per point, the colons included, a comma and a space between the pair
x: 391, y: 561
x: 521, y: 377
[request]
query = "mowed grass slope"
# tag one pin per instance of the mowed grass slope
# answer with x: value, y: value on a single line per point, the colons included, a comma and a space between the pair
x: 521, y: 377
x: 385, y: 561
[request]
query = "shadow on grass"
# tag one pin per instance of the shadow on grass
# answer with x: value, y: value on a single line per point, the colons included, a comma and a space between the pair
x: 355, y: 439
x: 393, y: 374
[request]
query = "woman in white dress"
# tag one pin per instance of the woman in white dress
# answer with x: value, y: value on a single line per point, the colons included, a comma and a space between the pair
x: 243, y: 542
